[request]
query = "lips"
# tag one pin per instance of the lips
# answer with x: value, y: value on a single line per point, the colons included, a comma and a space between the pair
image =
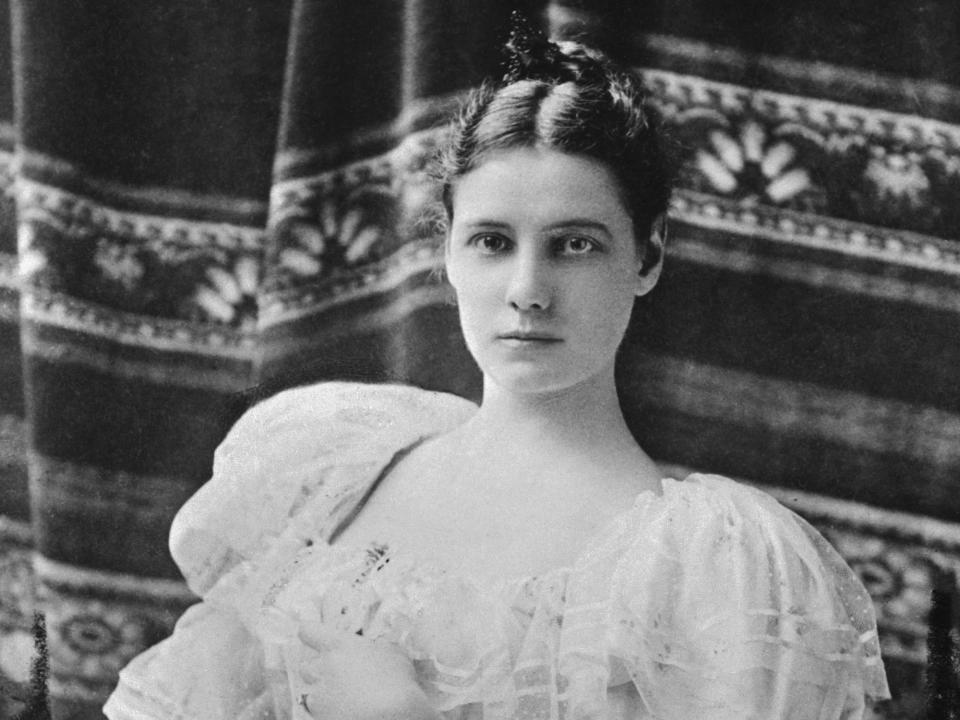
x: 522, y: 336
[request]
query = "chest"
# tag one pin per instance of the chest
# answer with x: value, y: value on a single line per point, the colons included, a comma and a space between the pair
x: 473, y: 525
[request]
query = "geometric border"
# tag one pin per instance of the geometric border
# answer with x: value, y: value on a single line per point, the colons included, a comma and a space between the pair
x: 858, y: 240
x: 61, y: 310
x: 69, y: 213
x: 754, y: 261
x: 818, y: 78
x: 678, y: 91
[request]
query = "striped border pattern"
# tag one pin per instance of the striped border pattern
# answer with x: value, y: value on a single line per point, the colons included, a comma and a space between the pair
x: 856, y: 240
x: 63, y: 311
x: 676, y: 93
x: 77, y: 216
x: 822, y: 79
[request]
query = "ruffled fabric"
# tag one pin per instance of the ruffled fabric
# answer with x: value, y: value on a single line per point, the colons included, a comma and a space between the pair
x: 753, y: 614
x: 708, y: 601
x: 289, y: 472
x: 317, y: 446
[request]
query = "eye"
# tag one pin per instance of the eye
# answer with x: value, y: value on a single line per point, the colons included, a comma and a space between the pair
x: 489, y: 244
x: 576, y: 245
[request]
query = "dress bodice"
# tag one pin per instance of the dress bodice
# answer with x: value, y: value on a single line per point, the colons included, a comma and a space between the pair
x: 708, y: 601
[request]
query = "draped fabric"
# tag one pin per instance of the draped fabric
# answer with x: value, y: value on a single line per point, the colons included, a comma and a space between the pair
x: 209, y: 201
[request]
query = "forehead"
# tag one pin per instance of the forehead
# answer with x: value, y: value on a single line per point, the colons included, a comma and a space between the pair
x: 531, y: 183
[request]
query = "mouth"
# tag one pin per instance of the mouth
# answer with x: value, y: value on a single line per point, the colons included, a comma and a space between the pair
x: 529, y: 337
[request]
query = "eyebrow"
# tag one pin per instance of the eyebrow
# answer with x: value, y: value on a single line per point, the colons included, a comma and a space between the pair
x: 480, y: 222
x: 580, y: 223
x: 568, y: 223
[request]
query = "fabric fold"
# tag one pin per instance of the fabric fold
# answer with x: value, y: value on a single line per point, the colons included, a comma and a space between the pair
x: 709, y: 600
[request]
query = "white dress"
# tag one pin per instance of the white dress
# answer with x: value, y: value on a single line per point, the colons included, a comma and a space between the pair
x: 708, y: 601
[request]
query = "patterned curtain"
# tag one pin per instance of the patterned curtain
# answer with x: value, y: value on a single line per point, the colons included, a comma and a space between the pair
x: 209, y: 201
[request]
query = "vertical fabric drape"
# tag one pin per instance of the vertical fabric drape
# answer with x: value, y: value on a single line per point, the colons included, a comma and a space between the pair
x: 145, y: 134
x: 206, y: 202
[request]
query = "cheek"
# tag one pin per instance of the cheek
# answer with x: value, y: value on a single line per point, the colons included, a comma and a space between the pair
x: 609, y: 294
x: 473, y: 282
x: 458, y: 272
x: 474, y: 301
x: 612, y: 324
x: 606, y: 314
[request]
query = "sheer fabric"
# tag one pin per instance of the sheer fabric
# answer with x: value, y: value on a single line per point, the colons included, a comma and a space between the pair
x: 708, y: 601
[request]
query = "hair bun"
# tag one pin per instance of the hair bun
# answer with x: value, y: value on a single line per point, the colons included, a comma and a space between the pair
x: 532, y: 56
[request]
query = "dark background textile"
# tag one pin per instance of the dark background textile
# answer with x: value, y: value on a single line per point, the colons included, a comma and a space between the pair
x: 209, y: 201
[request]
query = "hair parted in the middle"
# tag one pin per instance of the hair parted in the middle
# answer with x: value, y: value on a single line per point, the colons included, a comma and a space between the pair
x: 571, y: 98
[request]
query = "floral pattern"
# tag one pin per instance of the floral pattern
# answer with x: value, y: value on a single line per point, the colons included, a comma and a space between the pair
x: 750, y: 164
x: 92, y: 635
x: 118, y: 263
x: 312, y: 244
x: 841, y: 161
x: 897, y: 177
x: 158, y: 278
x: 230, y: 295
x: 98, y: 641
x: 327, y: 234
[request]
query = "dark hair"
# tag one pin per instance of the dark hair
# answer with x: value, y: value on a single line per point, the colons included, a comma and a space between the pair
x: 584, y: 105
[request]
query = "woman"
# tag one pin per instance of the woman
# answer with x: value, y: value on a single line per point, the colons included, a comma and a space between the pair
x: 384, y: 552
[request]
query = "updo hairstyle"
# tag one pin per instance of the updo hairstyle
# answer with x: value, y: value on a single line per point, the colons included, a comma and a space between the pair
x: 576, y: 101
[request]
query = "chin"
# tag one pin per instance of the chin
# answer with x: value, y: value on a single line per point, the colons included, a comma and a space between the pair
x: 552, y: 372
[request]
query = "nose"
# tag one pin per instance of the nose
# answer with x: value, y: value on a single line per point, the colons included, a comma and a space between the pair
x: 528, y: 287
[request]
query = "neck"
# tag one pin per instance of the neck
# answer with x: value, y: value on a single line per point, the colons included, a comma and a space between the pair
x: 567, y: 437
x: 584, y: 419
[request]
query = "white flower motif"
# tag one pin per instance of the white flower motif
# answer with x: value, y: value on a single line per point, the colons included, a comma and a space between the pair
x: 897, y: 176
x: 312, y: 244
x: 118, y: 263
x: 304, y: 258
x: 750, y: 158
x: 230, y: 296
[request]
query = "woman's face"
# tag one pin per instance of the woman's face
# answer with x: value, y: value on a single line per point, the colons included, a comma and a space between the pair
x: 542, y: 255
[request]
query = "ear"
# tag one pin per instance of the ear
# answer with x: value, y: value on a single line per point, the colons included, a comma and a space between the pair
x: 652, y: 262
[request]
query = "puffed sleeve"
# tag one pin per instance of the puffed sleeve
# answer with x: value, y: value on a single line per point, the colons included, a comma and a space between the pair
x: 728, y: 605
x: 298, y: 446
x: 303, y: 457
